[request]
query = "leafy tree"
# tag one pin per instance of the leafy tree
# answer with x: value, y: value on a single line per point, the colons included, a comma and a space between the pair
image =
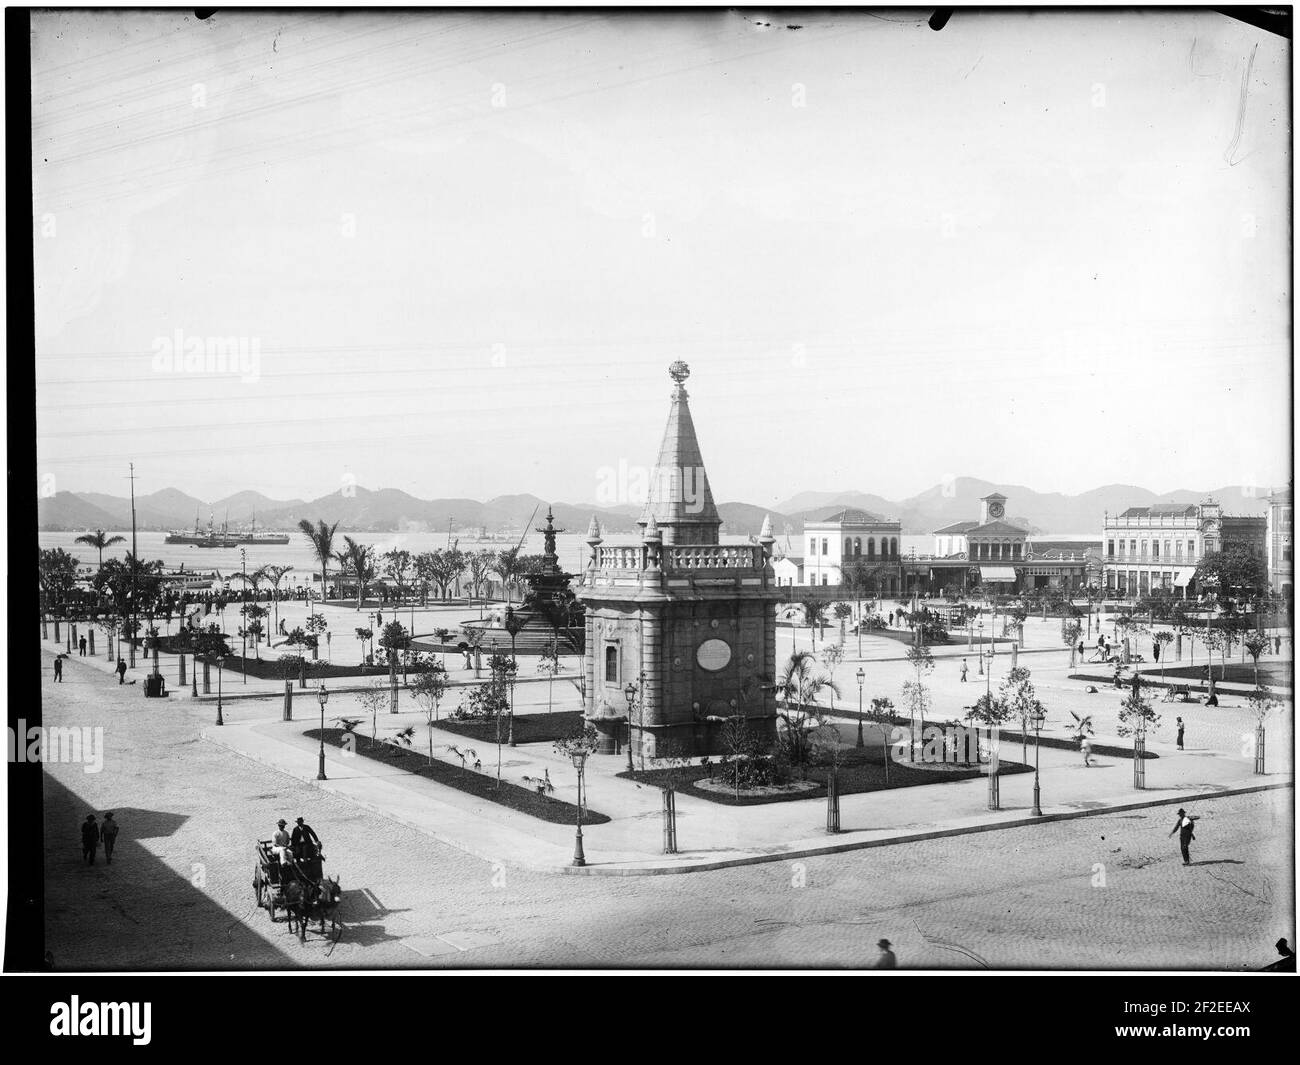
x: 832, y: 656
x: 1070, y: 637
x: 992, y: 712
x: 1021, y: 701
x: 371, y: 699
x: 881, y: 716
x: 400, y: 566
x: 428, y: 687
x: 363, y: 634
x: 478, y: 564
x: 1256, y: 644
x: 548, y: 662
x: 316, y: 626
x: 1232, y: 572
x: 100, y: 540
x: 56, y: 572
x: 1163, y: 638
x: 321, y: 537
x: 509, y: 567
x: 1136, y: 716
x: 916, y: 695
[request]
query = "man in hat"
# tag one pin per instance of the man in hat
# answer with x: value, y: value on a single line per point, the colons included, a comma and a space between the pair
x: 58, y: 668
x: 886, y: 959
x: 280, y: 842
x: 108, y: 833
x: 89, y: 838
x: 1180, y: 733
x: 1186, y: 833
x: 303, y: 834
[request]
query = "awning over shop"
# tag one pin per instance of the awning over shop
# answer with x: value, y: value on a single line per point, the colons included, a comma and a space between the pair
x: 1184, y: 577
x: 1005, y: 574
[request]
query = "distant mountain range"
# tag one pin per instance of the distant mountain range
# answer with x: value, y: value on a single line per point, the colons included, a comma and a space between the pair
x: 392, y: 510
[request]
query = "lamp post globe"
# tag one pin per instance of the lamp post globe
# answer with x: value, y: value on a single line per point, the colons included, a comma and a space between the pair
x: 322, y: 693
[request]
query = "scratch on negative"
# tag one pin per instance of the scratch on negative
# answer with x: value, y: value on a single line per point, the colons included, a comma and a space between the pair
x: 1241, y: 111
x: 972, y: 69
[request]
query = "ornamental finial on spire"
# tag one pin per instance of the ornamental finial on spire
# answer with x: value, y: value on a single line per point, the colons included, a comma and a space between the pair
x: 593, y: 531
x: 679, y: 371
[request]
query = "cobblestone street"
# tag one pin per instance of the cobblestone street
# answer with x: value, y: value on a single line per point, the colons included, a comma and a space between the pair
x: 1100, y: 892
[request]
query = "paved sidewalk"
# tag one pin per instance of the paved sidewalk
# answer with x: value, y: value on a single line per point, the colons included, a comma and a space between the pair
x: 714, y: 836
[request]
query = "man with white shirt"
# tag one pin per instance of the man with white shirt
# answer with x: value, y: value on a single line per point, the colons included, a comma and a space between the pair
x: 280, y: 842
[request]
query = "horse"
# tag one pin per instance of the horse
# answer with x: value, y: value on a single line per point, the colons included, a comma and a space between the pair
x: 295, y: 894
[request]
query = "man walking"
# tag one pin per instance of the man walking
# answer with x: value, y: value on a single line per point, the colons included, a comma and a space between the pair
x: 121, y: 671
x: 963, y: 671
x: 1186, y: 834
x: 81, y: 644
x: 1180, y: 733
x: 108, y: 833
x: 89, y: 839
x: 58, y: 669
x: 886, y: 960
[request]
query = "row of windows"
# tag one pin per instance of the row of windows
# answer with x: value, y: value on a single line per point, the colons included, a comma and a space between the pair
x: 1140, y: 581
x: 993, y: 551
x: 1173, y: 549
x: 853, y: 546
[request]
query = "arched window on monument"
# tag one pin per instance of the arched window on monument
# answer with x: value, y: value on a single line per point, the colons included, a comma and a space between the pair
x: 871, y: 547
x: 857, y: 545
x: 611, y: 663
x: 848, y: 546
x: 893, y: 547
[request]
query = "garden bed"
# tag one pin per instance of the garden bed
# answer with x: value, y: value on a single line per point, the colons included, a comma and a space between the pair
x: 861, y: 772
x: 529, y: 728
x: 479, y: 783
x: 1008, y: 735
x: 273, y: 669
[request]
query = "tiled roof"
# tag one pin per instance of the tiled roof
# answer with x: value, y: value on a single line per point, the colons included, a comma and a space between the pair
x: 956, y: 527
x: 1157, y: 509
x: 999, y: 528
x: 853, y: 516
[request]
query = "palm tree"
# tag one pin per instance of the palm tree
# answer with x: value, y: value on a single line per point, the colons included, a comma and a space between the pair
x: 359, y: 558
x: 798, y: 690
x: 274, y: 575
x: 321, y: 536
x: 100, y: 540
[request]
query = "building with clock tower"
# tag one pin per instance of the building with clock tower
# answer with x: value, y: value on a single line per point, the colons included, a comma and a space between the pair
x: 680, y: 628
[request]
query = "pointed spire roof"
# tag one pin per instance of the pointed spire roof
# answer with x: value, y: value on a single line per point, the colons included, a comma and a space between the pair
x: 680, y: 499
x: 765, y: 533
x: 593, y: 530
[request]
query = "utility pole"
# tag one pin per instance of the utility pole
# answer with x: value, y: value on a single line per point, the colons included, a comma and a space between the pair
x: 135, y: 561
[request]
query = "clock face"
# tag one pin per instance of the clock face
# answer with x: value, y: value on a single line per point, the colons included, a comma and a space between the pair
x: 995, y: 510
x: 713, y: 655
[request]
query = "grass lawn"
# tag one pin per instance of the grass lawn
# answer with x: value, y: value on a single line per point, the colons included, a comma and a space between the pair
x: 862, y: 771
x: 478, y: 783
x: 1275, y: 674
x: 529, y: 728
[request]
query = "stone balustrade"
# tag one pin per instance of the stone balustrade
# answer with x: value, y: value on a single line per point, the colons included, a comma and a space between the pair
x: 678, y: 558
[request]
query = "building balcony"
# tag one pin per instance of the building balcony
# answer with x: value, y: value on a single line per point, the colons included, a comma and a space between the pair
x: 719, y: 559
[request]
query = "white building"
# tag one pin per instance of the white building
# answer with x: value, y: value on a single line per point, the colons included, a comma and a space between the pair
x: 849, y: 535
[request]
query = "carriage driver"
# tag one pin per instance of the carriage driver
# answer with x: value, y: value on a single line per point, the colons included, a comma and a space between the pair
x: 303, y: 836
x: 280, y: 842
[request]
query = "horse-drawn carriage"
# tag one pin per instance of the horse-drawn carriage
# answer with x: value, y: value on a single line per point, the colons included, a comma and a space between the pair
x: 297, y: 884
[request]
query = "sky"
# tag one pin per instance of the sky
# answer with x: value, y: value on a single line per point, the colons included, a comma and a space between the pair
x: 455, y: 253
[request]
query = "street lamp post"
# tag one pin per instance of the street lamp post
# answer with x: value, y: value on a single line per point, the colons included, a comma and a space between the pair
x: 629, y: 693
x: 981, y: 628
x: 579, y: 761
x: 1036, y: 722
x: 862, y: 676
x: 243, y: 596
x: 512, y: 626
x: 323, y: 695
x: 221, y: 660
